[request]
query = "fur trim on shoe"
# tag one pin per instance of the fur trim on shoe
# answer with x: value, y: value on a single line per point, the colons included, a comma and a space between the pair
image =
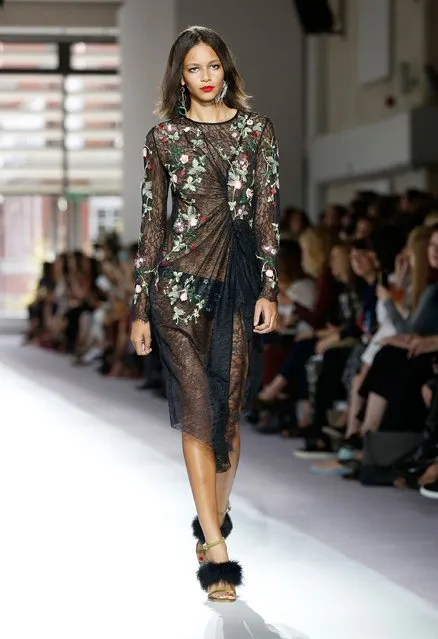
x: 228, y: 572
x: 226, y: 529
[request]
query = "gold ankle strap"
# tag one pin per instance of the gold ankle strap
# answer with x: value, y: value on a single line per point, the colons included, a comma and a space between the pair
x: 227, y: 509
x: 207, y: 546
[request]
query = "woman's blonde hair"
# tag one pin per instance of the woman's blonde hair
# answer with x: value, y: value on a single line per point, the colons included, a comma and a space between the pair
x: 431, y: 219
x: 344, y: 249
x: 317, y: 243
x: 417, y: 244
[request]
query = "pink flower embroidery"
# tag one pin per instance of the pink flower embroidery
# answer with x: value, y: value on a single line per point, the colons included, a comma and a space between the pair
x: 184, y: 159
x: 183, y: 296
x: 269, y: 273
x: 193, y: 221
x: 138, y: 288
x: 237, y: 184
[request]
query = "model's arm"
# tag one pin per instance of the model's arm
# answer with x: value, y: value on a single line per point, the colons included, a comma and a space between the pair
x: 154, y: 189
x: 267, y: 211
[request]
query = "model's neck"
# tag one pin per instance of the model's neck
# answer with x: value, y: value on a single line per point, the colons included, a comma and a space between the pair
x: 209, y: 112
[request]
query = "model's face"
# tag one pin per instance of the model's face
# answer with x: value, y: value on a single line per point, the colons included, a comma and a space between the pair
x: 433, y: 251
x: 203, y: 74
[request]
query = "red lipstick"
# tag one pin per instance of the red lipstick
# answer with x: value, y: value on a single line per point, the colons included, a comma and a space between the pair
x: 207, y: 89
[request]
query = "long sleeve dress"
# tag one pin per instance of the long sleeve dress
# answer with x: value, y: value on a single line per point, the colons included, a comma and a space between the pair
x: 200, y: 272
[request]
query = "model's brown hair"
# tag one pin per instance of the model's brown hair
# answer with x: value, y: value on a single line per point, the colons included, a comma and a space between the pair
x: 236, y: 98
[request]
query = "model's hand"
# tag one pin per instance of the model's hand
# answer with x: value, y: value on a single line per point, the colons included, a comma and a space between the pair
x: 141, y: 337
x: 267, y: 311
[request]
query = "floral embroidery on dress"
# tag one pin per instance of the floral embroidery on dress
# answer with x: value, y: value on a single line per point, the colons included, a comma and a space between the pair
x: 180, y: 289
x: 268, y: 178
x: 269, y: 259
x: 146, y: 184
x: 185, y: 177
x: 241, y: 158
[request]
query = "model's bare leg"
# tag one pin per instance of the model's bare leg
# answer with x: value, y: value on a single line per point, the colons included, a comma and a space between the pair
x: 201, y: 469
x: 211, y: 490
x: 238, y: 373
x: 224, y: 481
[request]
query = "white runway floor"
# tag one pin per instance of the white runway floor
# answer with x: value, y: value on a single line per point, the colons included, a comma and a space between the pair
x: 96, y: 544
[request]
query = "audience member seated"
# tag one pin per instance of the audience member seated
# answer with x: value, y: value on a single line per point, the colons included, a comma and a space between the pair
x: 358, y: 327
x: 293, y: 222
x: 406, y: 285
x: 392, y: 386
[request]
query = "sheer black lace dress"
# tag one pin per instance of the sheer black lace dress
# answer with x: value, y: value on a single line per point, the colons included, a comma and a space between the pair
x: 200, y: 272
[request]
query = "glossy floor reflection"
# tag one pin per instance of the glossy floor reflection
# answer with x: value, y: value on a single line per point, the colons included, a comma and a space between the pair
x: 96, y: 544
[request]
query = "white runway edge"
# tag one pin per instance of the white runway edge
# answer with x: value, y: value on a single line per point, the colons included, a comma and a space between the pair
x: 96, y: 544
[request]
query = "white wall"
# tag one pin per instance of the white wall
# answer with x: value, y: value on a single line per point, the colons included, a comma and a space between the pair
x: 360, y: 134
x: 349, y: 102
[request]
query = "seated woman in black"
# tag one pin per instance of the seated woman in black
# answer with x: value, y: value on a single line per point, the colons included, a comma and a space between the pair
x: 393, y: 384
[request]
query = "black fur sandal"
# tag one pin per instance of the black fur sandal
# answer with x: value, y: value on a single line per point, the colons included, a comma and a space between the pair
x: 226, y: 575
x: 226, y: 529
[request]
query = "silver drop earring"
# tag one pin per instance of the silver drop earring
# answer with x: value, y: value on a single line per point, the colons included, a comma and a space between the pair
x: 182, y: 107
x: 220, y: 96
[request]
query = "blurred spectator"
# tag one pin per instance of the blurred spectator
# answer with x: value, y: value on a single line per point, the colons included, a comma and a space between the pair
x: 294, y: 221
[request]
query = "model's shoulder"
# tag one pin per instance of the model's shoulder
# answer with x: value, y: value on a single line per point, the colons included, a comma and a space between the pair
x: 161, y: 131
x: 258, y: 118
